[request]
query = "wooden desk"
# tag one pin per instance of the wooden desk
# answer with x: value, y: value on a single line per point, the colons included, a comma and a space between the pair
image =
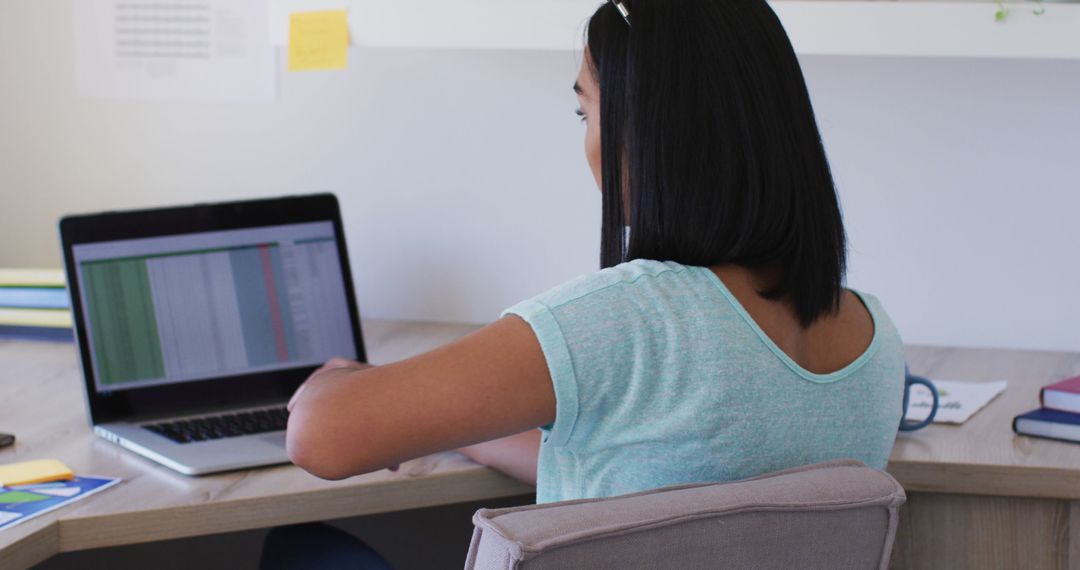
x: 41, y: 401
x: 979, y: 497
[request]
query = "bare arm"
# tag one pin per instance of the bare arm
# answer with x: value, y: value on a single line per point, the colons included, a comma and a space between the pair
x: 491, y: 384
x: 515, y: 456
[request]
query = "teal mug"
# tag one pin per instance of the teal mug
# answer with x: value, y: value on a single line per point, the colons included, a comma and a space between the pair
x: 909, y: 381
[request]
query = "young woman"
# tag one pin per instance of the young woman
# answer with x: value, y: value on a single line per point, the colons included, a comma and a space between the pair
x: 718, y: 343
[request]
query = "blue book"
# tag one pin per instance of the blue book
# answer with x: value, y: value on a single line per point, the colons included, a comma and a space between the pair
x: 1050, y: 424
x: 34, y: 298
x: 20, y: 332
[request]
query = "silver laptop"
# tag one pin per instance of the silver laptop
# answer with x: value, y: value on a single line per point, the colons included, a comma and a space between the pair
x: 195, y: 325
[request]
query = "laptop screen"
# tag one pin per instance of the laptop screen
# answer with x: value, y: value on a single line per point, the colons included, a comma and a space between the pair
x: 183, y: 308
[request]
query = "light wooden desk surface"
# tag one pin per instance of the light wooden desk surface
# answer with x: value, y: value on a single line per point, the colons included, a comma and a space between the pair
x: 983, y: 456
x: 41, y: 402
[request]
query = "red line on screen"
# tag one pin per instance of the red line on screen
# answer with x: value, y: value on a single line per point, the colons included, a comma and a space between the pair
x: 275, y: 306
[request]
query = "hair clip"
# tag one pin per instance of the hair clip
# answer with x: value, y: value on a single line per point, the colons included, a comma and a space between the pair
x: 622, y: 10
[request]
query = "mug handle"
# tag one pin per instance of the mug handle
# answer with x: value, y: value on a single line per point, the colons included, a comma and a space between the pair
x: 911, y: 425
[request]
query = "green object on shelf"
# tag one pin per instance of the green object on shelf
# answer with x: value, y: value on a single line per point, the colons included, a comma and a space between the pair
x: 1002, y: 11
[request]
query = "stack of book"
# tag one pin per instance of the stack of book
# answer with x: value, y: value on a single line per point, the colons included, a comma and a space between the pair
x: 1059, y: 417
x: 34, y: 304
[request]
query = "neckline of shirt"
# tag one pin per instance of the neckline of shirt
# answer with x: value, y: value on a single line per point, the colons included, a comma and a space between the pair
x: 783, y: 356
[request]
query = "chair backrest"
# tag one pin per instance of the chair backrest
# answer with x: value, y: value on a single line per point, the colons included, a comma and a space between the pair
x: 839, y: 514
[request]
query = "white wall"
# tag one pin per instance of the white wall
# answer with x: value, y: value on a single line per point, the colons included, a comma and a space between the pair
x: 464, y: 188
x: 961, y: 187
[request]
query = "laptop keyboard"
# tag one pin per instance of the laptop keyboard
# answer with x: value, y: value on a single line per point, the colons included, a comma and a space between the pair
x: 225, y: 425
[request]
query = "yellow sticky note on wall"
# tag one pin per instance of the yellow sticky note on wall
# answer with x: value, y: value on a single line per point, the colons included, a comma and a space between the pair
x: 318, y: 40
x: 28, y: 472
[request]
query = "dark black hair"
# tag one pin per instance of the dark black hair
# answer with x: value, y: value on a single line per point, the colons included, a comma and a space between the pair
x: 707, y: 126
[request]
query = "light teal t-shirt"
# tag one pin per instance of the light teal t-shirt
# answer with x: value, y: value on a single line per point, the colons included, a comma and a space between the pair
x: 662, y: 378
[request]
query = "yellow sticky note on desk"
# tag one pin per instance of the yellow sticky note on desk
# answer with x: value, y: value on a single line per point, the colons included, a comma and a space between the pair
x: 318, y: 40
x: 29, y: 472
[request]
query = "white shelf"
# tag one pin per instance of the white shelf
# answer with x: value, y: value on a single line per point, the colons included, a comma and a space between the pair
x: 958, y: 29
x: 836, y: 27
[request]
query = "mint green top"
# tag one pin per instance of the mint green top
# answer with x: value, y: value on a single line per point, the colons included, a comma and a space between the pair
x: 661, y: 377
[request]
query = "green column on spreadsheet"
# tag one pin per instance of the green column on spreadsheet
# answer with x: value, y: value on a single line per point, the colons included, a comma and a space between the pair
x: 122, y: 321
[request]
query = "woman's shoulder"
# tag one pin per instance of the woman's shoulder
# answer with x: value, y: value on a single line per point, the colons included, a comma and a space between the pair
x: 885, y: 331
x: 875, y: 307
x: 633, y: 276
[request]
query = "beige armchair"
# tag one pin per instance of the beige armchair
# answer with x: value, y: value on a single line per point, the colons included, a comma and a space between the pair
x: 835, y: 515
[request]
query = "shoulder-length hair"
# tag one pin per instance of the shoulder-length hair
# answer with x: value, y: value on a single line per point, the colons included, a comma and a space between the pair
x: 708, y: 131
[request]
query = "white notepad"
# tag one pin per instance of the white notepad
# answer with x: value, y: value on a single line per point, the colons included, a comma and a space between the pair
x: 958, y: 400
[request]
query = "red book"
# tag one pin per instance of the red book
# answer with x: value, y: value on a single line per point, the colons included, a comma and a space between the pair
x: 1063, y: 396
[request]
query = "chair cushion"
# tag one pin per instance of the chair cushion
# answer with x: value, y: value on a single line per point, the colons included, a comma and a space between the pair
x: 839, y: 514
